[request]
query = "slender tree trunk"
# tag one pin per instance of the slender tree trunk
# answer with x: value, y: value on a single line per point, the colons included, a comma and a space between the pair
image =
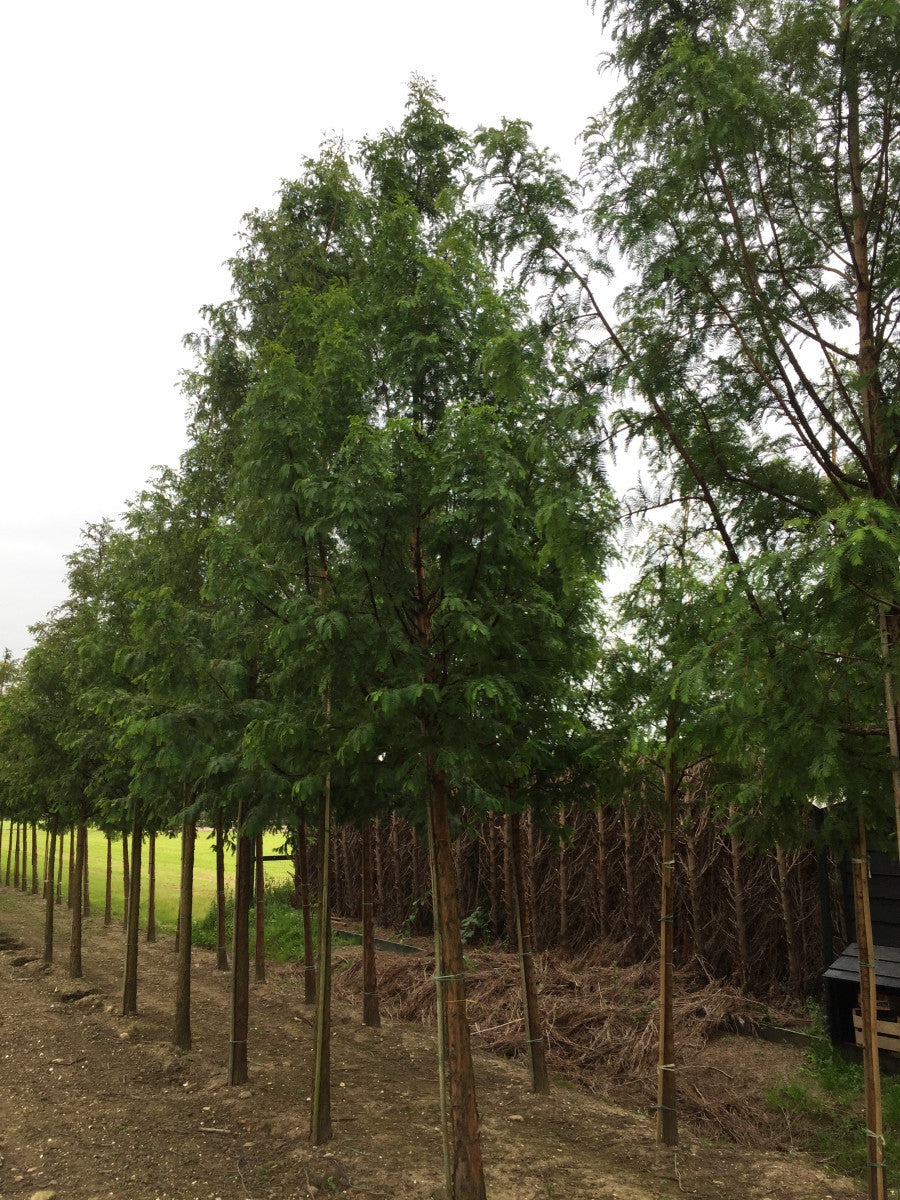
x: 34, y: 860
x: 693, y: 882
x: 126, y: 880
x: 182, y: 1032
x: 666, y: 1113
x: 563, y: 883
x: 309, y: 954
x: 1, y: 842
x: 75, y: 971
x: 60, y: 854
x: 240, y: 953
x: 46, y: 851
x: 740, y: 910
x: 534, y: 1031
x: 371, y: 1014
x: 73, y: 841
x: 441, y: 1013
x: 221, y: 930
x: 260, y: 956
x: 24, y: 876
x: 86, y: 878
x: 877, y: 1184
x: 790, y: 925
x: 320, y: 1117
x: 49, y: 896
x: 630, y: 893
x: 151, y: 887
x: 602, y: 874
x: 16, y: 858
x: 107, y: 910
x: 379, y: 875
x: 467, y: 1169
x: 132, y: 927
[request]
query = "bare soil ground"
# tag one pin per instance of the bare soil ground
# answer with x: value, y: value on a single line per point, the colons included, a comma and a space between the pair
x: 93, y: 1105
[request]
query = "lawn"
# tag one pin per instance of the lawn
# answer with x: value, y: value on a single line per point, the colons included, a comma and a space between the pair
x: 168, y: 870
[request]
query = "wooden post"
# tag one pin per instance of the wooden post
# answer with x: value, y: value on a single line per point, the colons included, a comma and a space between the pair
x: 875, y: 1171
x: 534, y: 1032
x: 371, y: 1014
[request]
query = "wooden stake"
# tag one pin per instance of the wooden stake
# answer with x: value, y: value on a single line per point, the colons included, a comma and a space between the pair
x: 875, y: 1172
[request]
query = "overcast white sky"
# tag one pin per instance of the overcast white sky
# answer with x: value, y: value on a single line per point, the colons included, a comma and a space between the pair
x: 136, y: 136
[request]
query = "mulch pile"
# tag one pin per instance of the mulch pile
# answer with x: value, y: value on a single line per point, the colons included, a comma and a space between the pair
x: 601, y: 1025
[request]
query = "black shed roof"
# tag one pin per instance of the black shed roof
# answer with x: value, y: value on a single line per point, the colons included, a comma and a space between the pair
x: 887, y: 966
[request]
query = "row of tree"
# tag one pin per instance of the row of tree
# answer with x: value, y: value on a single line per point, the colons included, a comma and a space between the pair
x: 373, y: 584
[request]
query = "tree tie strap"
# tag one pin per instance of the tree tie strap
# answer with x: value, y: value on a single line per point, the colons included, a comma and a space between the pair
x: 663, y: 1108
x: 444, y: 978
x: 879, y: 1137
x: 526, y: 954
x: 672, y: 918
x: 534, y: 1041
x: 669, y: 862
x: 665, y: 1067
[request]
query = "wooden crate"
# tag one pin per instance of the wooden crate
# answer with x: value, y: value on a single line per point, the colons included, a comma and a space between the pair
x: 887, y: 1030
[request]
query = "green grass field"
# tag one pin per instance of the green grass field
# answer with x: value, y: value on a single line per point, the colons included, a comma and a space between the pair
x: 168, y: 870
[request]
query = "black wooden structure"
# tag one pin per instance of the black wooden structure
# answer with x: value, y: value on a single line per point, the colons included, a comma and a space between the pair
x: 841, y: 979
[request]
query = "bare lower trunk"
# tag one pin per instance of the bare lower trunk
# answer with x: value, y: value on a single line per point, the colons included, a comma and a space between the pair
x: 75, y: 971
x: 790, y: 924
x: 309, y: 953
x: 182, y: 1030
x: 467, y: 1169
x: 740, y: 910
x: 34, y: 864
x: 107, y: 910
x: 602, y: 875
x: 260, y: 941
x: 534, y: 1032
x: 126, y: 879
x: 49, y: 893
x: 151, y: 887
x: 371, y: 1015
x: 132, y: 928
x: 240, y: 954
x: 666, y: 1113
x: 320, y: 1116
x: 221, y: 931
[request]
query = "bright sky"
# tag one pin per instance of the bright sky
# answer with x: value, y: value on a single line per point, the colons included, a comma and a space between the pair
x: 137, y: 135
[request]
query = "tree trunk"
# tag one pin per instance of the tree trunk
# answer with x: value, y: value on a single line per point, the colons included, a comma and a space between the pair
x: 151, y: 887
x: 260, y: 947
x: 107, y: 910
x: 309, y: 954
x: 371, y: 1015
x: 320, y: 1117
x: 790, y: 925
x: 9, y: 846
x: 16, y: 858
x: 1, y: 842
x: 34, y: 862
x: 467, y: 1171
x: 379, y: 877
x: 740, y: 909
x: 49, y: 893
x: 534, y: 1032
x: 630, y: 894
x: 693, y: 880
x: 126, y: 880
x: 240, y: 954
x: 221, y: 930
x: 60, y: 854
x: 75, y: 971
x: 666, y: 1114
x: 602, y: 875
x: 86, y: 878
x: 182, y: 1032
x: 877, y: 1185
x: 73, y: 840
x: 563, y: 883
x: 132, y: 927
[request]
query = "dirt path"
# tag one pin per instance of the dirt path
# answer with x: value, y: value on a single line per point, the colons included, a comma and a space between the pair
x: 93, y: 1105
